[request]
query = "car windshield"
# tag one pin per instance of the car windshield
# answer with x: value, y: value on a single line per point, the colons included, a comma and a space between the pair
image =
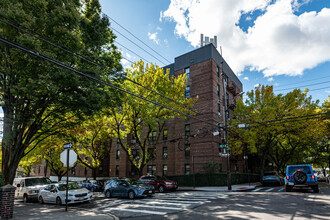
x: 37, y: 181
x: 62, y: 187
x: 270, y: 173
x: 134, y: 181
x: 305, y: 169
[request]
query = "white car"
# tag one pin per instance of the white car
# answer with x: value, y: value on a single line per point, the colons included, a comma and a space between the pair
x: 56, y: 193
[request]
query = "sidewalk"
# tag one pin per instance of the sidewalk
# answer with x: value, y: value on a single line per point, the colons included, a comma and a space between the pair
x: 237, y: 188
x: 38, y: 211
x: 48, y: 212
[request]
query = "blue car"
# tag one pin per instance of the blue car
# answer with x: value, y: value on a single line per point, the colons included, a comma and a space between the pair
x: 300, y: 176
x: 92, y: 185
x: 130, y: 188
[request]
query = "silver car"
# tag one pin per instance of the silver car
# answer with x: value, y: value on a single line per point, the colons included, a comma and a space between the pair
x: 56, y: 193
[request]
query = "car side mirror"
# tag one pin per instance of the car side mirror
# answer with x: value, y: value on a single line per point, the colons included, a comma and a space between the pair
x: 18, y: 185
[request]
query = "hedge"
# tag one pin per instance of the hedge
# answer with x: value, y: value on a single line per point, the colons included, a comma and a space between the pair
x: 213, y: 179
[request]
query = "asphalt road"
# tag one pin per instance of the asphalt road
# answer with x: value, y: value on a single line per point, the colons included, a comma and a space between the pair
x: 260, y: 203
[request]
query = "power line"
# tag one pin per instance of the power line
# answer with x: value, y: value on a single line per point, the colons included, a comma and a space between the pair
x: 136, y: 37
x: 53, y: 43
x: 282, y: 119
x: 63, y: 65
x: 131, y: 51
x: 303, y: 86
x: 303, y: 81
x: 138, y: 46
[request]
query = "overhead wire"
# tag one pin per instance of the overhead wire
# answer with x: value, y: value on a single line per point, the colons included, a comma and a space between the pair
x: 302, y: 86
x: 137, y: 45
x: 55, y: 44
x: 136, y: 37
x: 63, y: 65
x: 131, y: 51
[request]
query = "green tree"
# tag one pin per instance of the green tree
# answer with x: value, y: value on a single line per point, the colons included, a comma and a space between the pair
x: 139, y: 123
x: 280, y: 141
x: 93, y: 140
x: 38, y: 97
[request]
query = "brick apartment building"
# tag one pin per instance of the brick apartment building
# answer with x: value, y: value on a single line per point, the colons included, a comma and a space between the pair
x: 186, y: 146
x: 189, y: 146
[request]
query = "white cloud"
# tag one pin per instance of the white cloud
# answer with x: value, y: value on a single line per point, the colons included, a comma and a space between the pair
x: 279, y: 42
x: 246, y: 78
x: 128, y: 55
x: 159, y: 28
x: 271, y: 79
x: 153, y: 37
x: 327, y: 91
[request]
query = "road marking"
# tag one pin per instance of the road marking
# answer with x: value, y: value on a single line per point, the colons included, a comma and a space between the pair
x: 162, y: 203
x: 157, y: 207
x: 185, y: 199
x: 137, y: 210
x: 268, y: 190
x: 281, y: 190
x: 177, y: 201
x: 256, y: 190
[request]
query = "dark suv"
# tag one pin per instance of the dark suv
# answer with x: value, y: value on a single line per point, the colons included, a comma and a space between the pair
x: 300, y: 176
x: 160, y: 183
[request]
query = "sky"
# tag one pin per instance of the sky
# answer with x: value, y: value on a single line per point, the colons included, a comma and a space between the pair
x: 284, y: 43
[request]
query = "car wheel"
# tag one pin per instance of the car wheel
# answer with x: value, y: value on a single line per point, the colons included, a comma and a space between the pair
x: 108, y: 194
x: 316, y: 189
x: 41, y: 200
x: 58, y: 201
x: 131, y: 195
x: 288, y: 188
x: 299, y: 177
x: 161, y: 189
x: 26, y: 198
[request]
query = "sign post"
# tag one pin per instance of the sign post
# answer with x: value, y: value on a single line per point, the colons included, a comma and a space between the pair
x: 67, y: 147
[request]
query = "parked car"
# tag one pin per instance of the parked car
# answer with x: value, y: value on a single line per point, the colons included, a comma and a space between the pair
x: 131, y: 189
x: 272, y: 177
x: 300, y: 176
x: 92, y: 185
x: 160, y: 183
x: 27, y: 188
x: 56, y: 193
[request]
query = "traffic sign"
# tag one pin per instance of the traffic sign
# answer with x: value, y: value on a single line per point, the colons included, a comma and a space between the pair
x: 68, y: 145
x: 224, y: 154
x: 222, y: 146
x: 72, y: 157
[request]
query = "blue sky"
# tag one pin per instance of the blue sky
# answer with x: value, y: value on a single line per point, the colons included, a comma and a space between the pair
x: 284, y: 43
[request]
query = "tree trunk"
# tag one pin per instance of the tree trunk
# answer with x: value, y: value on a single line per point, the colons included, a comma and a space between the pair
x: 94, y: 173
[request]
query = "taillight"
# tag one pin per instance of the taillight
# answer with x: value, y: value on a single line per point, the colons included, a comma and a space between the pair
x: 287, y: 177
x: 313, y: 177
x: 299, y: 169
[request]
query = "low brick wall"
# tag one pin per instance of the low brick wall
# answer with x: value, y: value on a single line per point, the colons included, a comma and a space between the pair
x: 7, y: 196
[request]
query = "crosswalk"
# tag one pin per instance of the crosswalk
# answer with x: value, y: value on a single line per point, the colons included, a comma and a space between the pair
x: 267, y: 189
x: 160, y: 204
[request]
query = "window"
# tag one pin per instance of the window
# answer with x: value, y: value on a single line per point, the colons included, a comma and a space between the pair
x: 187, y: 150
x: 218, y: 90
x: 152, y: 137
x: 219, y: 109
x: 218, y: 72
x: 152, y: 153
x: 187, y: 72
x: 165, y: 134
x: 187, y: 130
x: 187, y: 92
x: 165, y: 152
x: 136, y: 154
x: 227, y: 99
x: 39, y: 170
x: 164, y: 170
x: 187, y: 169
x: 225, y: 79
x: 100, y: 170
x: 117, y: 154
x: 117, y: 170
x: 151, y: 169
x: 73, y: 171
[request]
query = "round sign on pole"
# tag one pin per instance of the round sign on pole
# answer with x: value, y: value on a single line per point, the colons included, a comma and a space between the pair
x: 72, y: 158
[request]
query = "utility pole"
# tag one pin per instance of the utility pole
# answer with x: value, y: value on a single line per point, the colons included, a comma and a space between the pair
x: 226, y: 127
